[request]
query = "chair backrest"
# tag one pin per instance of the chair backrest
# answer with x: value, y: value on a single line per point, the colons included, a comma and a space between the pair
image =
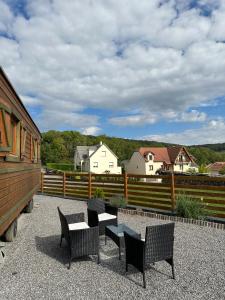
x: 64, y: 225
x: 159, y: 241
x: 97, y: 205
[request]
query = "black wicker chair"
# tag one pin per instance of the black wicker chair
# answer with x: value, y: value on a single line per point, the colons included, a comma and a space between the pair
x: 101, y: 214
x: 81, y: 242
x: 157, y: 246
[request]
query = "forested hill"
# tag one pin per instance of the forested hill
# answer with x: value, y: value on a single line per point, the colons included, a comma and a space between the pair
x: 59, y: 146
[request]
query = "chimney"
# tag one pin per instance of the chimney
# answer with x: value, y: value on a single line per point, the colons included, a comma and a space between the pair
x: 100, y: 143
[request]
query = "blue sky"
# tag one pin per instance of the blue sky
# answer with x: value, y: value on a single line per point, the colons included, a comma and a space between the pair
x: 151, y: 70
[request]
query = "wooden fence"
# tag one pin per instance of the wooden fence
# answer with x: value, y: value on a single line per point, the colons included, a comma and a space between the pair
x: 155, y: 192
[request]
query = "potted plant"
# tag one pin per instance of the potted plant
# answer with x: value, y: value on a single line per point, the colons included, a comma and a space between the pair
x: 118, y: 201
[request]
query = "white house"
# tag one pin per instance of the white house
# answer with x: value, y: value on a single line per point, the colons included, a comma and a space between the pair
x: 97, y: 159
x: 150, y: 160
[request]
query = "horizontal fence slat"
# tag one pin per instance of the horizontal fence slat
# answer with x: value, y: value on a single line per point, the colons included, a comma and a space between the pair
x: 203, y: 194
x: 153, y: 185
x: 200, y: 187
x: 150, y: 205
x: 149, y: 195
x: 150, y: 200
x: 163, y: 191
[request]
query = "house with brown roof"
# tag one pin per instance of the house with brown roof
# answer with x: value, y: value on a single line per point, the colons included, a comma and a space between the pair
x: 151, y: 160
x: 216, y: 167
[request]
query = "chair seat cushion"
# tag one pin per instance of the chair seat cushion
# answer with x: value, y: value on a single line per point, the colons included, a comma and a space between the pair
x: 105, y: 217
x: 77, y: 226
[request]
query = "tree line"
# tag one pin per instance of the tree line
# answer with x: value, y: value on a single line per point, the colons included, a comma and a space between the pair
x: 59, y: 146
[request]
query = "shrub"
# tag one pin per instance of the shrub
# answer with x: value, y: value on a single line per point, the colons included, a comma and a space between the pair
x: 118, y: 201
x: 60, y: 167
x: 99, y: 193
x: 187, y: 207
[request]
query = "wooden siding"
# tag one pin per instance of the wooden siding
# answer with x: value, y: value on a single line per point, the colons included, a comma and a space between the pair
x: 19, y: 155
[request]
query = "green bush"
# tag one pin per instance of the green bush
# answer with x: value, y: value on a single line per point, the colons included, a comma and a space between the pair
x: 118, y: 201
x: 60, y: 167
x: 187, y: 207
x: 99, y: 193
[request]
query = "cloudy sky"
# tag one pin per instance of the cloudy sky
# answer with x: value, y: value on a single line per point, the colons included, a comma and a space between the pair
x: 130, y: 68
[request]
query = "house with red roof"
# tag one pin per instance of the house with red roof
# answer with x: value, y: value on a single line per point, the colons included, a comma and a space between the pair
x: 151, y: 160
x: 216, y: 167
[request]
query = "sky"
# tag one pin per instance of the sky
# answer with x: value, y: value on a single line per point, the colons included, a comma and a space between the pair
x: 152, y: 70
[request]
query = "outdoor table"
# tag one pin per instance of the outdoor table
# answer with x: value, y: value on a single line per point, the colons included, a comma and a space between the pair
x: 116, y: 233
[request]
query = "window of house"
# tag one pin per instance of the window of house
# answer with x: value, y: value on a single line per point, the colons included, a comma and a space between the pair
x: 150, y: 157
x: 34, y: 149
x: 5, y: 124
x: 181, y: 167
x: 23, y: 137
x: 151, y: 168
x: 95, y: 165
x: 111, y: 164
x: 103, y: 153
x: 15, y: 136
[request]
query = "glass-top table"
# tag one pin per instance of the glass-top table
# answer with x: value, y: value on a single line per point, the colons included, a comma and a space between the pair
x: 116, y: 233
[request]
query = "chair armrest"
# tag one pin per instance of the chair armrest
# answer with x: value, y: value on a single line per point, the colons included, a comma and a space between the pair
x: 112, y: 210
x: 135, y: 251
x: 75, y: 218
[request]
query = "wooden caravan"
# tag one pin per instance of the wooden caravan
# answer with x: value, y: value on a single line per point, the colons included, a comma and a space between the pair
x: 19, y: 158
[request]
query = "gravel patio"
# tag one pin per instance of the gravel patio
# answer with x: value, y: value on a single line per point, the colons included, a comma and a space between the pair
x: 35, y: 266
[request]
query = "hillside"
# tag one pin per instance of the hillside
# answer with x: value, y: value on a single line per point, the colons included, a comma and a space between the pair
x: 58, y: 146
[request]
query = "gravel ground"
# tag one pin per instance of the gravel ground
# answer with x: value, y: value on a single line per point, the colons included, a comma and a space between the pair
x: 35, y: 265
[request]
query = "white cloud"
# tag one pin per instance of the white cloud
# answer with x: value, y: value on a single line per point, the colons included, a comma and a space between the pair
x: 211, y: 132
x: 192, y: 116
x: 134, y: 120
x: 6, y: 17
x: 93, y: 130
x: 120, y: 55
x: 149, y: 118
x: 57, y: 119
x: 30, y: 101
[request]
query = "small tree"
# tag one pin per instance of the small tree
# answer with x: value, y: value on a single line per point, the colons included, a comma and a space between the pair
x: 99, y: 193
x: 202, y: 169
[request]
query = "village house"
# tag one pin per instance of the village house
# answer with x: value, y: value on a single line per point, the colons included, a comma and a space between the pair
x: 97, y: 159
x: 216, y: 167
x: 152, y: 160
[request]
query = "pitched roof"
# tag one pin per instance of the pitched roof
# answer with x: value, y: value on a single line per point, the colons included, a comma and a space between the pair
x: 160, y: 154
x: 83, y: 151
x: 163, y: 154
x: 216, y: 166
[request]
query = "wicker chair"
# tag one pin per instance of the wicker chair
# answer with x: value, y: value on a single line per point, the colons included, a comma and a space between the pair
x: 101, y: 214
x: 157, y: 246
x: 81, y: 239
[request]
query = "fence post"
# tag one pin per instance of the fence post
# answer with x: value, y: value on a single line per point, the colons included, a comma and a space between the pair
x: 89, y: 185
x: 64, y: 184
x: 172, y: 192
x: 42, y: 182
x: 125, y: 186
